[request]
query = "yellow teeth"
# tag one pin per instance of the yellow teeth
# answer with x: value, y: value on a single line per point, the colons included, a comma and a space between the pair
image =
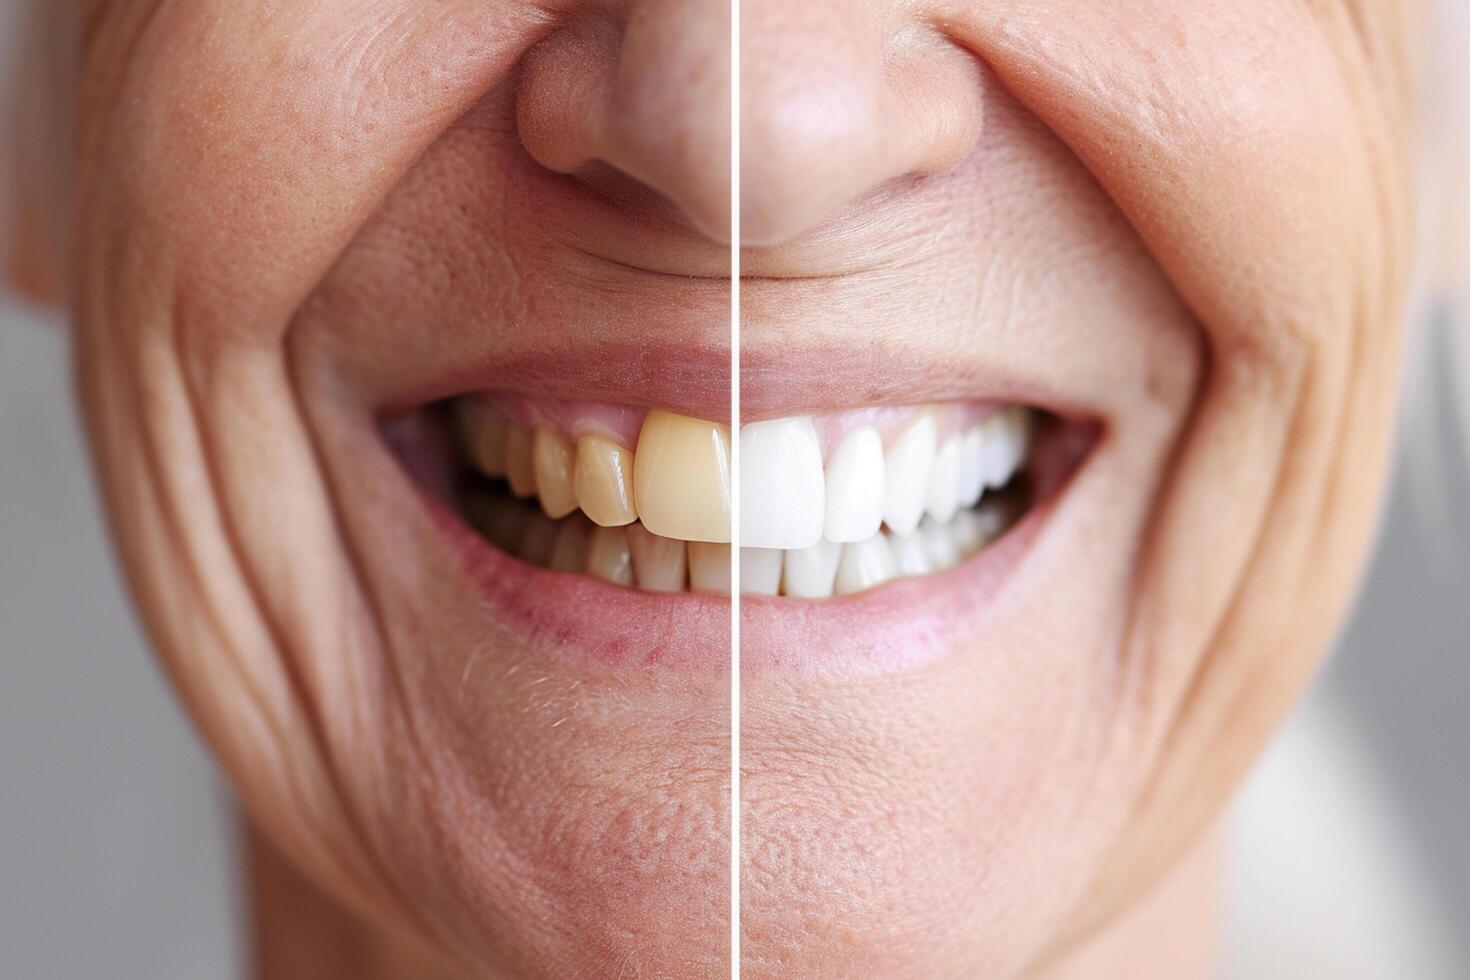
x: 553, y: 459
x: 520, y: 464
x: 682, y: 472
x: 604, y: 481
x: 482, y: 433
x: 658, y: 563
x: 608, y: 555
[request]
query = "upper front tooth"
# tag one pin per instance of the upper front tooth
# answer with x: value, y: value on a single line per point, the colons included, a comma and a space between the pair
x: 681, y: 470
x: 520, y: 463
x: 554, y: 462
x: 855, y: 487
x: 906, y: 477
x: 782, y: 496
x: 865, y: 564
x: 604, y: 481
x: 943, y: 497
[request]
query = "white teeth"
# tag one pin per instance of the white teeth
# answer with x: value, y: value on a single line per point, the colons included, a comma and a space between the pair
x: 906, y: 477
x: 782, y: 489
x: 865, y: 564
x: 938, y: 542
x: 972, y: 467
x: 911, y: 555
x: 1005, y: 446
x: 855, y: 487
x: 943, y: 498
x: 709, y: 567
x: 811, y: 573
x: 760, y: 570
x: 659, y: 564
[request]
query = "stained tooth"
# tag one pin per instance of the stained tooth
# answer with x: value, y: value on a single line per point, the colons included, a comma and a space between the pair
x: 569, y: 550
x: 760, y: 570
x: 681, y: 472
x: 782, y: 496
x: 811, y: 573
x: 538, y: 537
x: 709, y: 568
x: 503, y: 520
x: 554, y: 462
x: 906, y: 476
x: 520, y: 463
x: 865, y: 564
x: 608, y: 555
x: 972, y: 467
x: 659, y: 563
x: 855, y: 487
x: 482, y: 433
x: 604, y: 481
x: 943, y: 496
x: 911, y: 555
x: 940, y: 544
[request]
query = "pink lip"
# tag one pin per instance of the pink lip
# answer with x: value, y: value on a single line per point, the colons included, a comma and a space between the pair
x: 587, y: 620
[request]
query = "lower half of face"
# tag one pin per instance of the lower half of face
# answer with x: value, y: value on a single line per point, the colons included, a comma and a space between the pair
x: 421, y: 459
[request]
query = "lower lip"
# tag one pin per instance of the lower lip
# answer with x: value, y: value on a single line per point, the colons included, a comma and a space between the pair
x: 901, y: 625
x: 586, y: 620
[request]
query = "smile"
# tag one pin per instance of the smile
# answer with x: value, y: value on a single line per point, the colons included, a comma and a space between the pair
x: 832, y: 505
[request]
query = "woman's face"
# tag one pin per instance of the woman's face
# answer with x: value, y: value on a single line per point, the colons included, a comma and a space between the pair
x: 309, y: 236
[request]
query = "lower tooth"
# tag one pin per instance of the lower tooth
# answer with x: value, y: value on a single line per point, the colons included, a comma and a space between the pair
x: 569, y: 550
x: 659, y: 564
x: 811, y: 573
x: 709, y: 567
x: 760, y: 571
x: 865, y: 564
x: 608, y: 556
x: 911, y: 555
x: 939, y: 542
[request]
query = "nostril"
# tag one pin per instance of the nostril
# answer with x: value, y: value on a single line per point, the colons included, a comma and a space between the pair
x: 644, y: 97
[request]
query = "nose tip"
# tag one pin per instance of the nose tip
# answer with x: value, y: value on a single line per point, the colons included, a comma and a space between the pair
x: 835, y: 103
x: 649, y: 95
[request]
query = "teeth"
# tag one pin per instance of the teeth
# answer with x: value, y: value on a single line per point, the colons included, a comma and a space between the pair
x: 569, y: 549
x: 760, y: 570
x: 682, y: 472
x: 658, y: 563
x: 855, y: 487
x: 906, y: 477
x: 943, y: 498
x: 810, y: 531
x: 709, y: 567
x: 972, y: 467
x: 608, y: 555
x: 482, y: 433
x: 553, y: 459
x: 865, y: 564
x: 520, y: 464
x: 811, y: 573
x: 781, y: 485
x: 604, y: 481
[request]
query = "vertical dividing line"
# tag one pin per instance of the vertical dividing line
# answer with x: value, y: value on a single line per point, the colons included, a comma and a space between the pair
x: 735, y: 489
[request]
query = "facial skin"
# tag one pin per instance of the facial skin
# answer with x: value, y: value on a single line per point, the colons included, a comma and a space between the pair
x: 1188, y: 226
x: 1189, y: 222
x: 290, y: 222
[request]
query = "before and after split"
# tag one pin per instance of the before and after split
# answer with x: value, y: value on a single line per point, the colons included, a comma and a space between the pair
x: 680, y: 488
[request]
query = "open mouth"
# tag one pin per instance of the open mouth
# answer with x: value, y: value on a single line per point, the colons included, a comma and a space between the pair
x: 832, y: 505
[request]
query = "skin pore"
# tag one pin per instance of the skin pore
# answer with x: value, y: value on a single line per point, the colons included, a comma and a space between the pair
x: 1188, y: 226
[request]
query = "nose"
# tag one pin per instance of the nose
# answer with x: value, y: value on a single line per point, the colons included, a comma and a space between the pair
x: 839, y: 97
x: 647, y: 91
